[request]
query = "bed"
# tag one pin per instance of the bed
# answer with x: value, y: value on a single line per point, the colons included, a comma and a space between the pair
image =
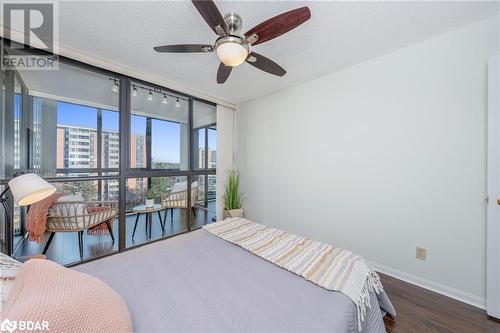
x: 197, y: 282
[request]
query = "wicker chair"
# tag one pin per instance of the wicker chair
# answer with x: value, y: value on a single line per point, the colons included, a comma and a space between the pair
x: 78, y: 216
x: 178, y: 199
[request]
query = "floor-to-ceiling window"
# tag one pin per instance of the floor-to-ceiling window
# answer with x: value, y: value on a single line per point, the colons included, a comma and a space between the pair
x: 107, y: 142
x: 65, y: 128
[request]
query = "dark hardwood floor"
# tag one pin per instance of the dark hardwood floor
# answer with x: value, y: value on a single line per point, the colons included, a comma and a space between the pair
x: 421, y: 310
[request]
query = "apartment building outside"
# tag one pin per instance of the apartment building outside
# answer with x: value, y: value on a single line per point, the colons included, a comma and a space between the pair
x: 77, y: 149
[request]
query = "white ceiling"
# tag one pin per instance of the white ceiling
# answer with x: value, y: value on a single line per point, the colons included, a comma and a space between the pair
x: 338, y: 35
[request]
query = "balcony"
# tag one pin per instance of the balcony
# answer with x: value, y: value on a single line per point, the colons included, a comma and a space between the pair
x: 64, y: 248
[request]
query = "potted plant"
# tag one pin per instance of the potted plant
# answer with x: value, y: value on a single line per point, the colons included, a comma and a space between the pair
x: 232, y: 197
x: 150, y: 196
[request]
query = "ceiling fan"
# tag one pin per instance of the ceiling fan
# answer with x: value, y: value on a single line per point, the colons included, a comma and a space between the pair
x: 232, y: 47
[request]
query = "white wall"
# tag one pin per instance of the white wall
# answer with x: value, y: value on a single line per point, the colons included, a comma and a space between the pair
x: 382, y: 157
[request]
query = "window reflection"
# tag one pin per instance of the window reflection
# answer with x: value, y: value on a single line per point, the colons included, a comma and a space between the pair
x: 63, y: 120
x: 165, y: 144
x: 159, y: 127
x: 204, y: 150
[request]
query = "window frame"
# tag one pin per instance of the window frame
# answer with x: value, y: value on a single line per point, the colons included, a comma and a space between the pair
x: 149, y: 145
x: 100, y: 170
x: 124, y: 171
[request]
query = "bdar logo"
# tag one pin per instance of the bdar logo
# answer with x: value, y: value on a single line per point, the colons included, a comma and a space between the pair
x: 8, y: 325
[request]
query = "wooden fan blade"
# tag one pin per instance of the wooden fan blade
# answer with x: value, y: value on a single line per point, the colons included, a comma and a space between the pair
x: 223, y: 73
x: 278, y: 25
x: 265, y: 64
x: 208, y: 10
x: 184, y: 48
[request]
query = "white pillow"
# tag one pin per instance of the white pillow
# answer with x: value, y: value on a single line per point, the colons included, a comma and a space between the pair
x: 8, y: 272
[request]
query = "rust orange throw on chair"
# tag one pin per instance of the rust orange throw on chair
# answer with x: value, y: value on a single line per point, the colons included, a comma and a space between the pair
x: 37, y: 217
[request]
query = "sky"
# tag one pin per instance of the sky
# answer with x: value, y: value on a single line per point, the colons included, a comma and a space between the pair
x: 165, y: 135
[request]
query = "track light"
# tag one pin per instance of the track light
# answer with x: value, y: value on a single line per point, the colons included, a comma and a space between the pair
x: 135, y: 93
x: 115, y: 88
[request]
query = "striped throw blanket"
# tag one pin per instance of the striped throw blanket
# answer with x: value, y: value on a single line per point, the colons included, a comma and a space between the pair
x: 327, y: 266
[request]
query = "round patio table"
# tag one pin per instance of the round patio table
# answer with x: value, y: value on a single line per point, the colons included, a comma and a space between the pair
x: 142, y: 209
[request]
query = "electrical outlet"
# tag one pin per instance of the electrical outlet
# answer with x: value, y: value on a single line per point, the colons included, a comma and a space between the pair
x: 421, y: 253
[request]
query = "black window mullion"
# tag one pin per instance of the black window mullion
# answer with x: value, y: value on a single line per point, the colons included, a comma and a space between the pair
x: 9, y: 153
x: 206, y: 148
x: 124, y: 129
x: 157, y: 173
x: 206, y: 191
x: 148, y: 143
x: 190, y: 166
x: 149, y: 162
x: 99, y: 153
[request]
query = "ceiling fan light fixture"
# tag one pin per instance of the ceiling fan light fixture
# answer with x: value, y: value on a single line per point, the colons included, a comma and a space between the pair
x: 233, y: 47
x: 232, y: 51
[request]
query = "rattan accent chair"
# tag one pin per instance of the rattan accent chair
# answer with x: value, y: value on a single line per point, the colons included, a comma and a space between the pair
x: 177, y: 198
x: 78, y: 216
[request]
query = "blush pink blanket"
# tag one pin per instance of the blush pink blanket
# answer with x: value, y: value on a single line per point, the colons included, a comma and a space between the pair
x: 65, y: 300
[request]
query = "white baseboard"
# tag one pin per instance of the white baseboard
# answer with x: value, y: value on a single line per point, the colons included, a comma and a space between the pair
x: 436, y: 287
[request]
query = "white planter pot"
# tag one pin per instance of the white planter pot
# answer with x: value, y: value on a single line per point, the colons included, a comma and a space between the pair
x: 150, y: 203
x: 233, y: 213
